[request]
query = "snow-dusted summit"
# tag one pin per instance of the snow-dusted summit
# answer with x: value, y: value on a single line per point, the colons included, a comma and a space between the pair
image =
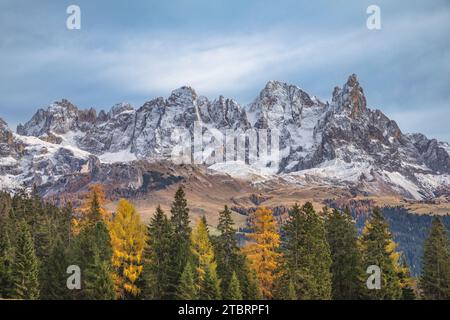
x: 342, y: 142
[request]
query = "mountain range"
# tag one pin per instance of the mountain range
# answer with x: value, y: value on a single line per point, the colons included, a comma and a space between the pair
x: 341, y: 143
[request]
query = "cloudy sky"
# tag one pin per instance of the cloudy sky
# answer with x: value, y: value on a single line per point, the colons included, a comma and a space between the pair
x: 133, y: 51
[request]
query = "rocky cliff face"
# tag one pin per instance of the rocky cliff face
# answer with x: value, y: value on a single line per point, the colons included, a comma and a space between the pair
x: 342, y: 142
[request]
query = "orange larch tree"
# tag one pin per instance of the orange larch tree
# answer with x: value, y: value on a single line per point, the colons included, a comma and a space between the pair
x: 262, y: 251
x: 91, y: 210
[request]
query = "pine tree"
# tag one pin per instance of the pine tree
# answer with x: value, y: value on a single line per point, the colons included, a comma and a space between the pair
x: 99, y: 283
x: 92, y: 209
x: 91, y: 250
x: 378, y: 249
x: 251, y: 290
x: 407, y: 283
x: 25, y: 267
x: 41, y: 225
x: 230, y: 258
x: 307, y: 257
x: 53, y: 284
x: 263, y: 251
x: 6, y: 246
x: 234, y: 289
x: 98, y: 280
x: 209, y: 288
x: 181, y: 238
x: 205, y: 263
x: 95, y: 210
x: 291, y: 293
x: 435, y: 278
x: 227, y: 250
x: 346, y: 267
x: 157, y: 257
x: 6, y: 262
x: 186, y: 289
x: 128, y: 240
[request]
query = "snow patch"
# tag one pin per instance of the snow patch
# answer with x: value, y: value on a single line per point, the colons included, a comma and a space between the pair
x: 120, y: 156
x: 8, y: 161
x: 239, y: 169
x: 397, y: 179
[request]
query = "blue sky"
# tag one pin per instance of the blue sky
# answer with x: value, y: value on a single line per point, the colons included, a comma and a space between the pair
x: 133, y: 51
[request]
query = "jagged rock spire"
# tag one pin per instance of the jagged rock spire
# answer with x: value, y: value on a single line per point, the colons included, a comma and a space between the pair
x: 350, y: 98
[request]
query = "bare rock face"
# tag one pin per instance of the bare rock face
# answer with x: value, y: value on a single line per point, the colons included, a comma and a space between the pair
x: 343, y: 142
x: 60, y: 118
x: 350, y: 99
x: 433, y: 153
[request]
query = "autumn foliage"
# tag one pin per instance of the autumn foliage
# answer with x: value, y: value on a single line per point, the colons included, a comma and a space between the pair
x: 128, y: 241
x: 263, y: 250
x: 311, y: 255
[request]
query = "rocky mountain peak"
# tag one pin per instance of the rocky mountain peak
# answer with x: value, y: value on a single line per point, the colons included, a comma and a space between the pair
x: 3, y: 124
x: 183, y: 95
x: 60, y: 117
x: 5, y: 132
x: 341, y: 143
x: 280, y: 103
x: 350, y: 98
x: 63, y: 104
x: 120, y: 108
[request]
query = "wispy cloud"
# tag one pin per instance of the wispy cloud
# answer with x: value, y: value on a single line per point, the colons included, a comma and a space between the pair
x: 405, y: 65
x: 229, y: 63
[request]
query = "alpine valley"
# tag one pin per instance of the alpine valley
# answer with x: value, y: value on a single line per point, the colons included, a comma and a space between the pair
x: 338, y: 153
x: 340, y: 144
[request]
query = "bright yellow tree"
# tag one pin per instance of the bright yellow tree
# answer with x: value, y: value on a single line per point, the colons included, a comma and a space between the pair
x: 262, y: 251
x: 202, y: 249
x: 128, y: 236
x: 206, y: 266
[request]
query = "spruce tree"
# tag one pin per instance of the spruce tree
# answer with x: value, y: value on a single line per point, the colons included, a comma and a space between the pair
x: 157, y: 257
x: 407, y: 283
x: 186, y: 289
x: 230, y: 258
x: 91, y: 250
x: 227, y: 249
x: 435, y: 278
x: 307, y: 257
x: 25, y: 266
x: 346, y: 267
x: 95, y: 214
x: 53, y: 283
x: 378, y: 249
x: 209, y: 286
x: 6, y: 245
x: 6, y: 263
x: 181, y: 238
x: 99, y: 283
x: 91, y: 210
x: 291, y: 292
x: 251, y: 289
x: 234, y: 289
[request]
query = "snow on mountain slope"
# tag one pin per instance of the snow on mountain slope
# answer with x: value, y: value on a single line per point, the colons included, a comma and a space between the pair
x: 445, y: 146
x: 120, y: 156
x: 35, y: 161
x: 342, y: 142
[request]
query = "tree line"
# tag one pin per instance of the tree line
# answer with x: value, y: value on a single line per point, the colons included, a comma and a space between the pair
x: 313, y: 255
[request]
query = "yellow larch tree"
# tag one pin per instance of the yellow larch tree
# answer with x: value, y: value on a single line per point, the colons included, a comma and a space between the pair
x: 128, y: 236
x: 202, y: 250
x: 262, y: 251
